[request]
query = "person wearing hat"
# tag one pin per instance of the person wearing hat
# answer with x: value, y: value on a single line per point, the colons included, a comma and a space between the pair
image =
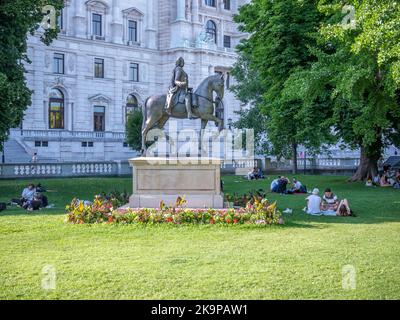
x: 314, y: 202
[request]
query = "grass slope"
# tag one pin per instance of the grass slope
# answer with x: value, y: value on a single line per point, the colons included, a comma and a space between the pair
x: 302, y: 259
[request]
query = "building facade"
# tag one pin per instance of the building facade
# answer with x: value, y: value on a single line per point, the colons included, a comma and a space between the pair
x: 108, y: 58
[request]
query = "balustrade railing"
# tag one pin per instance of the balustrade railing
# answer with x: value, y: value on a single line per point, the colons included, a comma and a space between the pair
x: 67, y: 134
x: 64, y: 169
x: 318, y: 164
x: 116, y: 168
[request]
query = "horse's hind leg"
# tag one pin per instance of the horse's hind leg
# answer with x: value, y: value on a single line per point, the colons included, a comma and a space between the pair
x: 150, y: 123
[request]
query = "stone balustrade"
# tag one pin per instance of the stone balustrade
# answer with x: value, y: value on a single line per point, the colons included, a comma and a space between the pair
x: 121, y: 168
x: 57, y: 134
x: 65, y: 169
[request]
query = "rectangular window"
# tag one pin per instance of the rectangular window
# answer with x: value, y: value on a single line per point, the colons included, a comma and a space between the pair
x: 56, y: 114
x: 84, y: 144
x: 60, y: 20
x: 227, y: 4
x: 98, y: 68
x: 227, y: 41
x: 58, y: 63
x: 132, y: 30
x: 38, y: 143
x: 90, y: 144
x: 99, y: 118
x: 97, y: 24
x: 45, y: 143
x: 134, y: 72
x: 210, y: 3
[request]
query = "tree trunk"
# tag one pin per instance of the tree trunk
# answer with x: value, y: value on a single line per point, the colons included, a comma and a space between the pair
x: 294, y: 158
x: 368, y: 167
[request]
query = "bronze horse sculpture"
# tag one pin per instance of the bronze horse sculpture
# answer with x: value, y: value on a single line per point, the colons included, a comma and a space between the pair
x: 155, y: 115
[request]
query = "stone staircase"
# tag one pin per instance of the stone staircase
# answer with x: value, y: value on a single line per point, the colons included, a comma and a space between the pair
x: 15, y: 153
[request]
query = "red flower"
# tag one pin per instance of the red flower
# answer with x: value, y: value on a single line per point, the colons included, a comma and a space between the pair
x: 212, y: 221
x: 235, y: 220
x: 110, y: 219
x: 228, y: 221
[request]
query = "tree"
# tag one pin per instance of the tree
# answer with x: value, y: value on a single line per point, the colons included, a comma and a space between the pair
x: 280, y: 35
x: 253, y: 118
x: 361, y: 68
x: 134, y: 129
x: 17, y: 19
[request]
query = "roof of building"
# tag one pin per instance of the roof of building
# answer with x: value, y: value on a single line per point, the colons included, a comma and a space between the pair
x: 393, y: 161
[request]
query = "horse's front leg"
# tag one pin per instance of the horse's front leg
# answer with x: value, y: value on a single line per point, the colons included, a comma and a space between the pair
x: 211, y: 117
x: 201, y: 134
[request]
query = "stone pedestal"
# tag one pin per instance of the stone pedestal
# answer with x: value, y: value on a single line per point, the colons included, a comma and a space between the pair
x: 156, y: 179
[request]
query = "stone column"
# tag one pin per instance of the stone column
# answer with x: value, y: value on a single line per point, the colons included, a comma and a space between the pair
x: 79, y: 19
x: 117, y: 29
x: 180, y: 28
x: 150, y: 8
x: 150, y: 29
x: 195, y: 11
x: 180, y: 10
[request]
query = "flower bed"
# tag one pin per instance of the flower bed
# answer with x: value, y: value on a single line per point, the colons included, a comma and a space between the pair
x: 259, y: 212
x: 242, y: 200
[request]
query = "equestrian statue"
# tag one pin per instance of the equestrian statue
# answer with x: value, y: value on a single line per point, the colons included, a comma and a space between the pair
x: 181, y: 102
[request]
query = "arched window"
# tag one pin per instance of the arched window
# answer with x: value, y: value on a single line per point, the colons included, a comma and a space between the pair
x: 56, y: 109
x: 211, y: 30
x: 131, y: 104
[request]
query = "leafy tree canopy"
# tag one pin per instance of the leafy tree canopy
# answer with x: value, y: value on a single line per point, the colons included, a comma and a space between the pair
x: 134, y: 129
x: 18, y: 18
x: 361, y: 67
x: 281, y: 33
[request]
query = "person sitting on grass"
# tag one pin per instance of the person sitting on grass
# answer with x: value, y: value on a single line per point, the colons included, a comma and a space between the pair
x: 26, y: 195
x: 282, y: 184
x: 396, y: 184
x: 330, y: 201
x: 297, y: 187
x: 35, y: 204
x: 255, y: 174
x: 384, y: 182
x: 314, y: 202
x: 275, y: 184
x: 252, y: 174
x: 260, y: 174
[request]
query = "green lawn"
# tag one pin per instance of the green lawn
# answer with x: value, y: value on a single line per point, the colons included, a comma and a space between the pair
x: 302, y: 259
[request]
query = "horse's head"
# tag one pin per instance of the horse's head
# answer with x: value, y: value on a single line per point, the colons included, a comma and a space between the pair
x: 218, y: 85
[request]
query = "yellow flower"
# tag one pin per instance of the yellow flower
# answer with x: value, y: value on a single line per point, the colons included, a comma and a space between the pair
x: 272, y: 207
